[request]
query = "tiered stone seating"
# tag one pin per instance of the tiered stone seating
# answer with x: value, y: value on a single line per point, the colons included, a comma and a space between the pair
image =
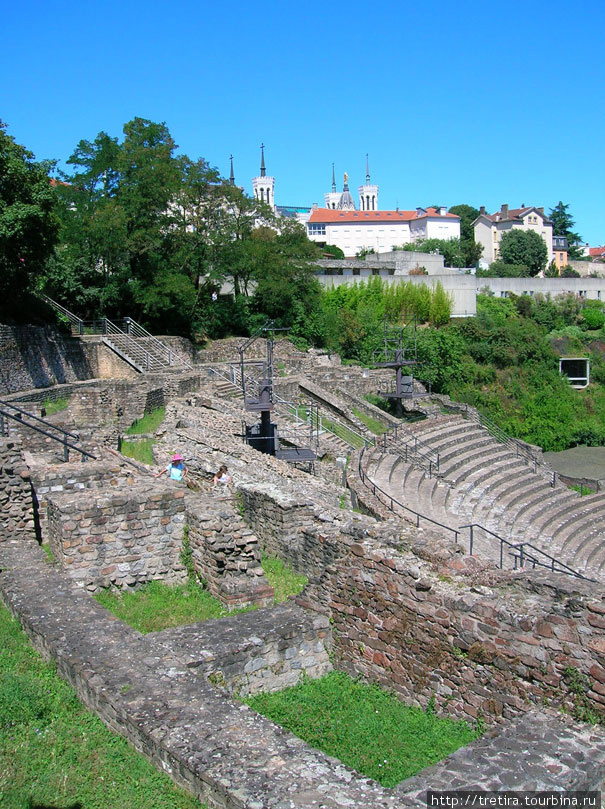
x: 483, y: 481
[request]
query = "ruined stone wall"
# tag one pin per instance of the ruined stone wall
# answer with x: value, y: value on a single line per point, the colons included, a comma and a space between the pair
x: 48, y: 480
x: 39, y: 356
x: 491, y: 651
x: 16, y: 508
x: 121, y: 539
x: 265, y: 650
x: 225, y: 553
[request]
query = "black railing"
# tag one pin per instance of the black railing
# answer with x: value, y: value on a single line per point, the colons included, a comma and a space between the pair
x: 60, y: 435
x: 524, y: 554
x: 421, y: 452
x: 392, y: 501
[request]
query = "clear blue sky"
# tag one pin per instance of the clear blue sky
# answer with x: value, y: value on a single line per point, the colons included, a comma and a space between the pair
x: 456, y: 102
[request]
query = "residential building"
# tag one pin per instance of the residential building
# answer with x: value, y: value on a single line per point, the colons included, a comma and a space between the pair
x: 559, y: 249
x: 489, y: 228
x: 356, y: 232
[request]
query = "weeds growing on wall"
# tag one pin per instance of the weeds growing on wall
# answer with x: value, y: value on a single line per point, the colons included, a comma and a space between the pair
x: 52, y: 406
x: 364, y: 726
x: 54, y: 752
x: 141, y: 451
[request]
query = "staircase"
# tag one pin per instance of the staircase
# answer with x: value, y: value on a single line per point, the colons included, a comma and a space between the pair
x: 134, y: 344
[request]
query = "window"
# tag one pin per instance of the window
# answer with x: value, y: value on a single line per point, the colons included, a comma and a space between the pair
x: 316, y: 230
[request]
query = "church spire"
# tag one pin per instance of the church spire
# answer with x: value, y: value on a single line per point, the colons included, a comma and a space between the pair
x: 333, y: 180
x: 367, y: 170
x: 231, y: 176
x: 263, y: 171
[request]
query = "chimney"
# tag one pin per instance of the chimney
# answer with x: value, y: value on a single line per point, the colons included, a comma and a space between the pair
x: 315, y: 206
x: 541, y: 210
x: 504, y: 212
x: 442, y: 211
x: 482, y: 210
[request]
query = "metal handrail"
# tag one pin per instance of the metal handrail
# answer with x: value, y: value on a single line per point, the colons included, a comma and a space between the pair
x: 522, y: 556
x: 374, y: 488
x: 498, y: 433
x: 75, y: 321
x: 66, y: 444
x: 134, y: 328
x: 426, y: 453
x: 49, y: 424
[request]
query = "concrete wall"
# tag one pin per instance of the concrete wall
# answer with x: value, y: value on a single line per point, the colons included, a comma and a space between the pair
x: 460, y: 286
x: 589, y: 287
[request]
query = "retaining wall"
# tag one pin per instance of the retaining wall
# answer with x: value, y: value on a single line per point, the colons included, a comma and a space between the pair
x: 16, y: 509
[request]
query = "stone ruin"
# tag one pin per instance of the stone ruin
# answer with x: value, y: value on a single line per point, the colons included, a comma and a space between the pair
x: 386, y: 600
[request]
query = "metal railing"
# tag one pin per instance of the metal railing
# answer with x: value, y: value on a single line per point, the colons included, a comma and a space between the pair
x: 392, y: 501
x: 59, y: 434
x: 301, y: 413
x: 134, y: 329
x: 498, y: 433
x: 524, y: 554
x: 77, y: 325
x: 411, y: 448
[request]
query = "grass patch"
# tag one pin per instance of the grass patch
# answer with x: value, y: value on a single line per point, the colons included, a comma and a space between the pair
x: 149, y: 423
x: 365, y: 727
x: 282, y: 578
x: 54, y: 752
x: 52, y: 406
x: 157, y: 605
x: 141, y: 451
x: 373, y: 425
x: 581, y: 489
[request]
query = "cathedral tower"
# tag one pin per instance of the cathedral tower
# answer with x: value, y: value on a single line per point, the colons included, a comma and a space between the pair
x: 263, y: 187
x: 333, y: 197
x: 368, y: 193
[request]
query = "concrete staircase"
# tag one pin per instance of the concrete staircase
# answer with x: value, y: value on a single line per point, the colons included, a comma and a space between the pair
x: 485, y: 482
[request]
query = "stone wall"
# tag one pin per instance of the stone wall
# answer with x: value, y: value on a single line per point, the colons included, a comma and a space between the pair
x: 265, y: 650
x: 229, y: 756
x: 492, y: 645
x: 37, y: 357
x: 225, y: 553
x: 16, y: 509
x: 122, y: 539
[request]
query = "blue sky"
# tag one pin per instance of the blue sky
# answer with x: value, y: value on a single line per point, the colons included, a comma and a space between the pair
x: 455, y: 102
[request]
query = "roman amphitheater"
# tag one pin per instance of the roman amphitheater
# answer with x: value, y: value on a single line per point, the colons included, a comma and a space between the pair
x: 444, y: 561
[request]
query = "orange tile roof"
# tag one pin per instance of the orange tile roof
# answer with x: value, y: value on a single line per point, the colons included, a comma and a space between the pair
x: 596, y: 251
x: 364, y: 217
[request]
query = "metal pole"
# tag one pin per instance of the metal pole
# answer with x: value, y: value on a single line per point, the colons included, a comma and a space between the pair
x: 470, y: 549
x: 65, y: 449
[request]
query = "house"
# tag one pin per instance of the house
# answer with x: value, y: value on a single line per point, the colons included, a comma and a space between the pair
x: 559, y: 249
x: 490, y: 227
x: 361, y: 231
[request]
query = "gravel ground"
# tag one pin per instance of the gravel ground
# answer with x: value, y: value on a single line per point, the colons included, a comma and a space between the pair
x: 578, y: 462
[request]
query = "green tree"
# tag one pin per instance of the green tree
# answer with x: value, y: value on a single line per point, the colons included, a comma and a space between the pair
x: 471, y: 250
x: 450, y: 249
x: 28, y: 222
x: 524, y: 247
x: 562, y: 225
x: 441, y: 307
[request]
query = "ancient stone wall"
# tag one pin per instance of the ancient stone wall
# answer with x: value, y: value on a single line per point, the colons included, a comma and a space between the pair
x: 121, y: 539
x: 16, y: 509
x: 225, y: 553
x: 480, y: 650
x: 265, y: 650
x: 37, y: 357
x: 226, y: 754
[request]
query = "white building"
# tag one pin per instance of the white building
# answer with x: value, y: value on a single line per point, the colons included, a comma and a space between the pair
x: 490, y: 227
x: 357, y: 231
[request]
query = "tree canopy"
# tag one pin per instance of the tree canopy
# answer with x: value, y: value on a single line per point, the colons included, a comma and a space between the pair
x: 28, y: 224
x: 524, y: 247
x: 155, y: 235
x: 562, y: 225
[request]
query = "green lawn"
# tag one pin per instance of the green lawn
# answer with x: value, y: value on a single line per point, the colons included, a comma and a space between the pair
x: 373, y: 425
x: 365, y: 727
x: 55, y: 753
x: 141, y: 450
x: 149, y: 423
x: 158, y: 606
x: 52, y: 406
